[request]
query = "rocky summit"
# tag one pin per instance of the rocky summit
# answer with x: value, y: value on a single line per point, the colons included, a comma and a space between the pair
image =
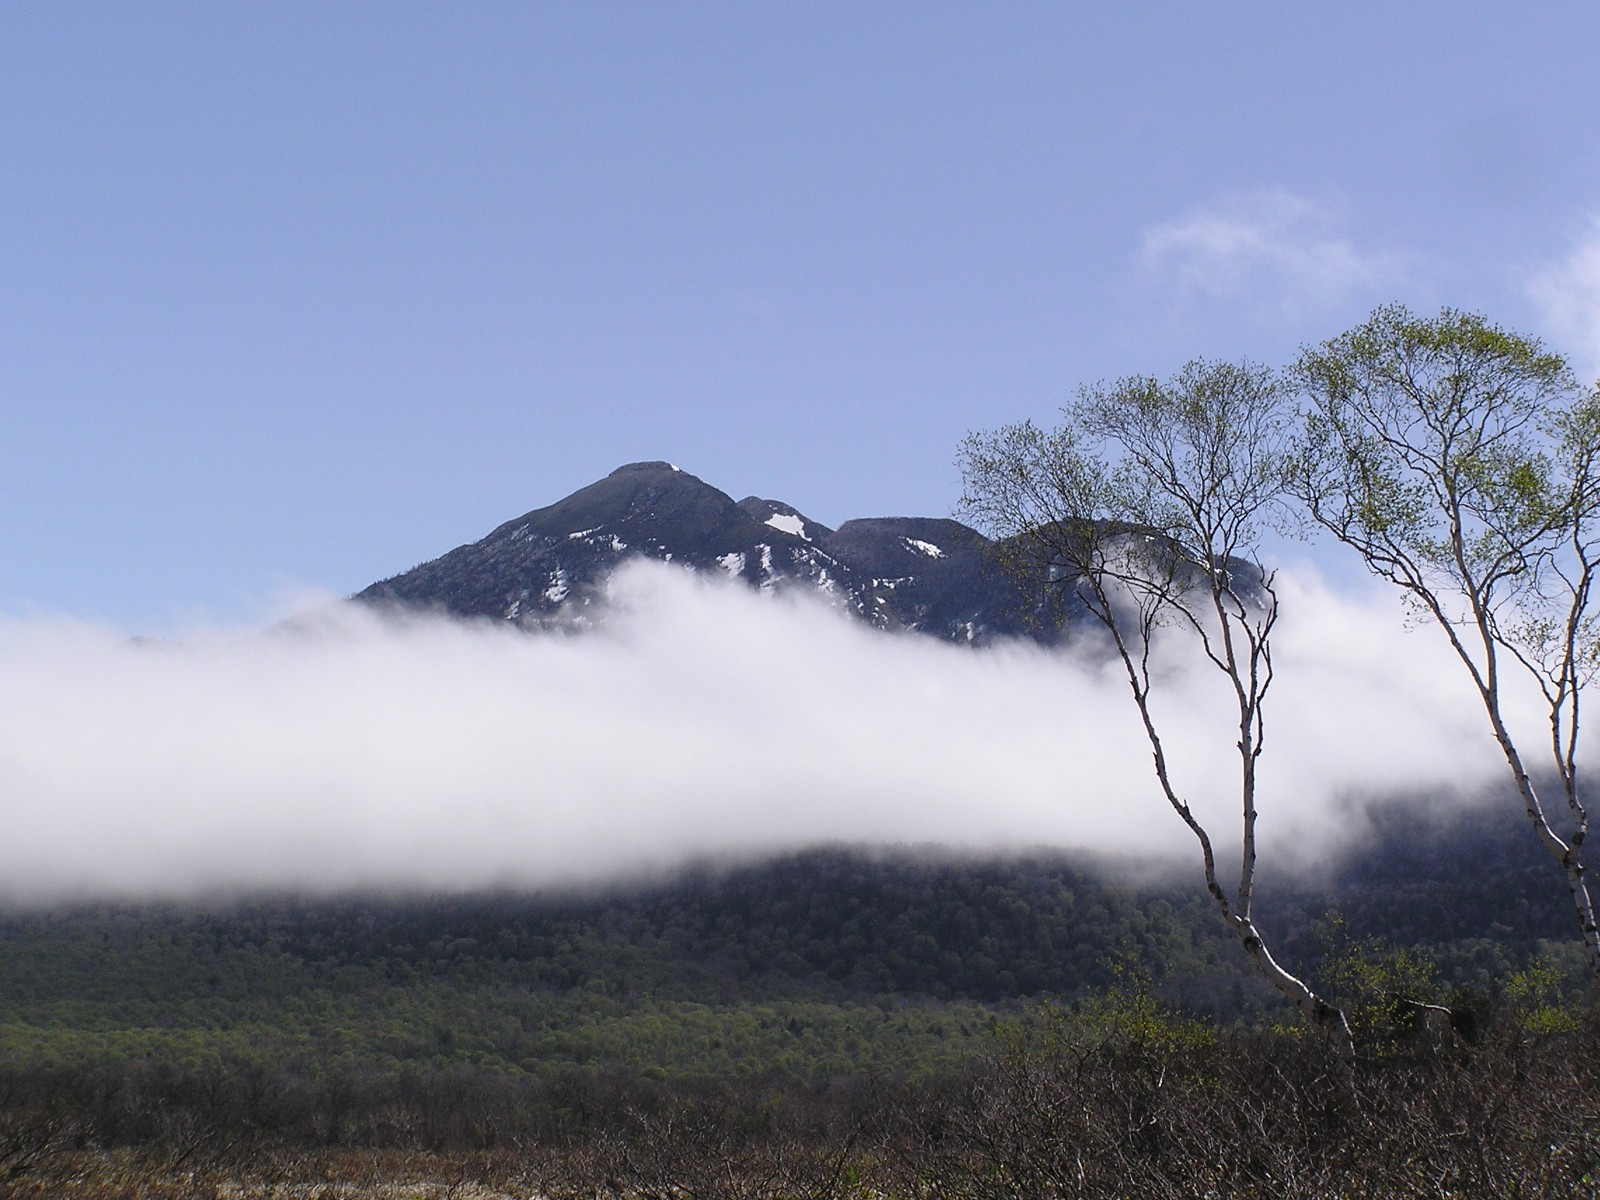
x: 546, y: 568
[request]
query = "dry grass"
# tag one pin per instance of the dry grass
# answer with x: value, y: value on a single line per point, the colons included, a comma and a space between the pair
x: 279, y: 1175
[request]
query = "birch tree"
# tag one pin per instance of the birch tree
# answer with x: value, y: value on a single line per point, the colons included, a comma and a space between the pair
x: 1147, y: 506
x: 1462, y: 462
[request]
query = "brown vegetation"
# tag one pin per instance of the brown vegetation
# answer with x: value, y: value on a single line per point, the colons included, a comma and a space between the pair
x: 1122, y: 1099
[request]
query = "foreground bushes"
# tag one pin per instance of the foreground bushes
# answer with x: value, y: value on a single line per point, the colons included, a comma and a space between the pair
x: 1118, y: 1100
x: 1156, y: 1115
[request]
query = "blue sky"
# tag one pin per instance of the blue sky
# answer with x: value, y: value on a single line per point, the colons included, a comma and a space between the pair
x: 305, y: 294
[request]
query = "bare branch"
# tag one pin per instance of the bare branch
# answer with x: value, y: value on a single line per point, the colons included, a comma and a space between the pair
x: 1150, y: 501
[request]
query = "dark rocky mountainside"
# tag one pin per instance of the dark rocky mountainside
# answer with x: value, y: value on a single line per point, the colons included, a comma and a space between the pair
x: 545, y: 568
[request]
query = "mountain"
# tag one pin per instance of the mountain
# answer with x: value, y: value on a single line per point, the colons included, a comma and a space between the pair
x: 545, y: 568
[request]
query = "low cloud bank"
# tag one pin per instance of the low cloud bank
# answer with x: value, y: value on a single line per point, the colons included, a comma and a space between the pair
x: 349, y: 749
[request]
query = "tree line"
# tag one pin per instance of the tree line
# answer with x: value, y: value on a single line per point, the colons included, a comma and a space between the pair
x: 822, y: 963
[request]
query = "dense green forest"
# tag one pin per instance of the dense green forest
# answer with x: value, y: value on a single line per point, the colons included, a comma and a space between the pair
x: 827, y: 961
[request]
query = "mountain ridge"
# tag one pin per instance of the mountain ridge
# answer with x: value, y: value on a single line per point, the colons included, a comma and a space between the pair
x: 546, y: 568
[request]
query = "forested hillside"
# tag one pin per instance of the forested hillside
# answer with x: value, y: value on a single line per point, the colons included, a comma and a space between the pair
x: 825, y: 960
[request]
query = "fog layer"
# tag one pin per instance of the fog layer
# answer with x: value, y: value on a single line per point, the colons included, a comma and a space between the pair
x: 350, y: 749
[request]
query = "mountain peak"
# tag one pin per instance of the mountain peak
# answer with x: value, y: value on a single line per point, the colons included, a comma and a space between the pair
x: 652, y: 466
x: 547, y: 567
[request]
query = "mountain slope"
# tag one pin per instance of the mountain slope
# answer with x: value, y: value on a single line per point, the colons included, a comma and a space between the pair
x: 545, y: 567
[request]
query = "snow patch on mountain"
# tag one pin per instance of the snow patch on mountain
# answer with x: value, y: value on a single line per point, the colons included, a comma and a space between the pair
x: 786, y: 523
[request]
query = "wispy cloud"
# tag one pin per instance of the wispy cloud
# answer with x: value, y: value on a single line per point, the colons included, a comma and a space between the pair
x: 1568, y: 293
x: 1273, y: 253
x: 701, y: 719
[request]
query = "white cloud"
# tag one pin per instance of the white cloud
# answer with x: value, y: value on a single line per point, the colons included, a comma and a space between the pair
x: 1276, y: 254
x: 1568, y: 292
x: 701, y: 719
